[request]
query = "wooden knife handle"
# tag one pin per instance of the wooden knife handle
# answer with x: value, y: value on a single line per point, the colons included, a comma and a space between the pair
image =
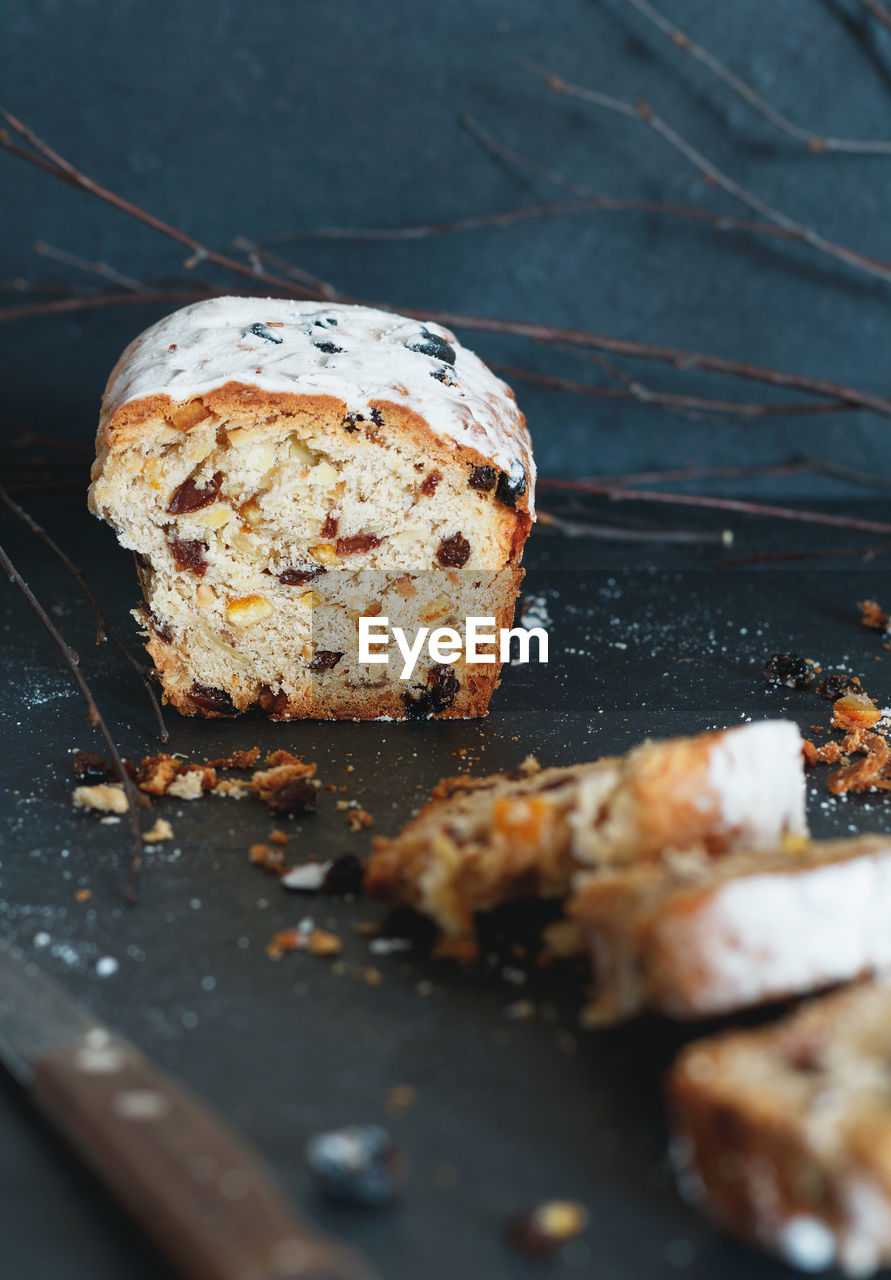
x: 183, y: 1174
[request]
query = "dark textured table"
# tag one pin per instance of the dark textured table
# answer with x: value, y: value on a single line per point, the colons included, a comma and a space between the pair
x: 507, y: 1112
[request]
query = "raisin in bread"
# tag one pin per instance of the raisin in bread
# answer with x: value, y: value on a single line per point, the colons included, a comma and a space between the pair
x: 783, y: 1134
x: 480, y: 842
x: 280, y: 469
x: 692, y: 938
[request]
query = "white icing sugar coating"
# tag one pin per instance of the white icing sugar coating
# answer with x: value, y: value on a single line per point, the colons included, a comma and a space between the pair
x: 357, y: 354
x: 757, y: 773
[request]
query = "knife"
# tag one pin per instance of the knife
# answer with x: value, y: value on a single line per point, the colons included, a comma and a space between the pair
x: 192, y: 1184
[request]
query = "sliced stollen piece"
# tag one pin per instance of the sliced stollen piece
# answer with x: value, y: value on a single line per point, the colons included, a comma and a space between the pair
x: 480, y: 842
x: 281, y: 469
x: 692, y: 938
x: 783, y: 1134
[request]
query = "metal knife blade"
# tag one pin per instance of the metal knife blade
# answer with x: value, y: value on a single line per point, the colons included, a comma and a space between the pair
x: 194, y: 1186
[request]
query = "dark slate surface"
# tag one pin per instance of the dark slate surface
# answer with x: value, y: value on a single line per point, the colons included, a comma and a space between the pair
x: 507, y: 1112
x: 231, y: 118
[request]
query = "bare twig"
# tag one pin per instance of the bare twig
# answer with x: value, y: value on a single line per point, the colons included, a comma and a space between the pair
x: 54, y: 163
x: 643, y: 113
x: 879, y: 12
x: 105, y: 627
x: 620, y: 493
x: 25, y: 438
x: 535, y: 332
x: 135, y: 798
x: 615, y: 533
x: 823, y: 553
x: 794, y: 466
x: 101, y: 269
x: 258, y: 255
x: 668, y: 400
x: 64, y: 306
x: 816, y: 142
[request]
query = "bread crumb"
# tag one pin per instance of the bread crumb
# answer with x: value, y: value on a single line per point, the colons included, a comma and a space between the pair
x: 162, y: 830
x: 107, y: 797
x: 186, y: 786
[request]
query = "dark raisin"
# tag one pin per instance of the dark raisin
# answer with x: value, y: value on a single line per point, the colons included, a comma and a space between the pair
x: 511, y: 484
x: 212, y: 699
x: 325, y: 660
x: 90, y: 767
x: 325, y: 322
x: 329, y: 528
x: 376, y: 417
x: 260, y: 330
x: 359, y: 542
x: 789, y: 669
x: 836, y: 684
x: 297, y: 795
x: 453, y: 552
x: 189, y: 497
x: 351, y: 421
x: 331, y: 348
x: 483, y: 478
x: 160, y: 628
x: 428, y: 487
x: 438, y: 694
x: 344, y: 875
x: 431, y: 344
x: 188, y: 553
x: 297, y: 577
x: 444, y: 375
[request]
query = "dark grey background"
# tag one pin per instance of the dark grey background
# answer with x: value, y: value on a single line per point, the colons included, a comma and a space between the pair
x: 234, y: 118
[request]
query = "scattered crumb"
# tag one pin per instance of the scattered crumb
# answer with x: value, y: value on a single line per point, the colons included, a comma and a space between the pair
x: 400, y: 1098
x: 106, y: 797
x: 269, y: 858
x: 162, y: 830
x: 358, y: 819
x: 307, y: 878
x: 237, y: 760
x: 547, y: 1226
x: 186, y: 786
x: 372, y: 977
x: 318, y: 942
x: 83, y: 895
x: 277, y: 837
x: 872, y: 615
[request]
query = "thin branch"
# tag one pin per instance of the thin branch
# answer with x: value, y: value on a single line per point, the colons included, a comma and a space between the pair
x: 813, y: 141
x: 823, y: 553
x: 644, y: 114
x: 668, y: 400
x: 64, y: 306
x: 54, y: 163
x: 619, y: 493
x: 535, y: 332
x: 796, y: 466
x: 879, y: 12
x: 615, y: 533
x: 25, y: 438
x: 105, y: 627
x: 258, y: 255
x: 135, y: 798
x: 101, y: 269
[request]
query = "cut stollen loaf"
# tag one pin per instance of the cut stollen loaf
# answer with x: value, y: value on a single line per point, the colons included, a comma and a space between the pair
x: 281, y: 468
x: 692, y: 939
x: 480, y: 842
x: 783, y: 1134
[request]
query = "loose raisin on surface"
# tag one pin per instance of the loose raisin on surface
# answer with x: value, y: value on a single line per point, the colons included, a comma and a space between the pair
x: 260, y: 330
x: 438, y: 694
x: 90, y: 767
x: 483, y: 478
x: 188, y: 553
x: 297, y: 577
x: 329, y: 528
x: 428, y: 487
x: 325, y: 660
x: 789, y: 669
x: 511, y: 484
x: 351, y: 421
x: 344, y: 875
x: 836, y: 684
x: 453, y: 552
x: 331, y: 348
x: 297, y: 795
x: 445, y: 376
x: 212, y: 699
x: 359, y: 542
x: 189, y: 497
x: 431, y: 344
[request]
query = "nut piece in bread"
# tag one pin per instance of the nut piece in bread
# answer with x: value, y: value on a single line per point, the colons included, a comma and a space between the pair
x: 480, y: 842
x: 783, y: 1134
x: 692, y: 938
x: 281, y: 469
